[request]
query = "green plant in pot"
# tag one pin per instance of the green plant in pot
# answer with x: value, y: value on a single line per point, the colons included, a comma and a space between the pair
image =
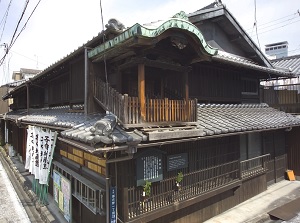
x: 147, y: 189
x: 179, y: 178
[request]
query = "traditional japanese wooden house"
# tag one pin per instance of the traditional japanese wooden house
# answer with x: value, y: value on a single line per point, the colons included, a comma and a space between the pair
x: 158, y: 122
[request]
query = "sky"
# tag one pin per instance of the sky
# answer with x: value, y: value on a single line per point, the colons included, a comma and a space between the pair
x: 58, y: 27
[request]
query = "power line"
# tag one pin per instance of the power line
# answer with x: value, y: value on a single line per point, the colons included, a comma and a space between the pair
x: 255, y: 23
x: 13, y: 39
x: 16, y: 29
x: 5, y: 19
x: 279, y: 27
x: 275, y: 20
x: 287, y: 20
x: 26, y: 22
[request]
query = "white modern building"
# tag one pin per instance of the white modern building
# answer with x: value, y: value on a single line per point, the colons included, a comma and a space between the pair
x: 277, y: 50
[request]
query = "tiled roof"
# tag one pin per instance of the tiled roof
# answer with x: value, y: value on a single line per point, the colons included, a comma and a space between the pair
x: 245, y: 62
x: 77, y: 126
x: 218, y: 119
x: 213, y: 119
x: 292, y: 63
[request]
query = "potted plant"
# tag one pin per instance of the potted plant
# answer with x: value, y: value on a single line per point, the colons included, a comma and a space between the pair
x: 146, y: 190
x: 179, y: 178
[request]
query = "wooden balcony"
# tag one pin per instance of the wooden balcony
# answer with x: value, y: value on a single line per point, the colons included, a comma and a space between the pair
x: 157, y: 111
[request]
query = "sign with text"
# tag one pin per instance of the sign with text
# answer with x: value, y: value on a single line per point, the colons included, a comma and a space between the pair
x: 113, y: 208
x: 62, y: 194
x: 149, y: 167
x: 177, y: 161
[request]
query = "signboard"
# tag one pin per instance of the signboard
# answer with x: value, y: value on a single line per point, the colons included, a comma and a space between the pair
x: 177, y: 161
x: 62, y: 194
x: 113, y: 201
x: 39, y: 152
x: 149, y: 167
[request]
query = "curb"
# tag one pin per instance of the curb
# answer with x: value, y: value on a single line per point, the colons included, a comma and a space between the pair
x: 45, y: 214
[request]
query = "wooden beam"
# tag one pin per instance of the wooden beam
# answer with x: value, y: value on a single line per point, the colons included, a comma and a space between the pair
x: 141, y: 90
x: 186, y: 92
x: 153, y: 63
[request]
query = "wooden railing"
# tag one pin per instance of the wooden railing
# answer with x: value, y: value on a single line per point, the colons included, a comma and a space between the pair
x: 194, y: 184
x: 127, y: 108
x: 253, y: 167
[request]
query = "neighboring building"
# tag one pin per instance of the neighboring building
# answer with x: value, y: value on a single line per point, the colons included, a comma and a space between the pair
x: 24, y: 73
x: 277, y: 50
x: 154, y: 124
x: 284, y: 93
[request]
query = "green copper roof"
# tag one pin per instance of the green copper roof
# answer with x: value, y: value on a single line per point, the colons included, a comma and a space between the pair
x: 152, y: 32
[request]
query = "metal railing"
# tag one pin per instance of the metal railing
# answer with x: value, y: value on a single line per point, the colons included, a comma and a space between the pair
x: 194, y: 184
x: 254, y: 166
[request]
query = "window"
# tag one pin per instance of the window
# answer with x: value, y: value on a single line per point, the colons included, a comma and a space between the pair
x: 250, y: 145
x: 249, y: 86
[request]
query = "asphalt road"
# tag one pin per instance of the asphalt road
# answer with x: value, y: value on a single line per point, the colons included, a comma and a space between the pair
x: 15, y: 205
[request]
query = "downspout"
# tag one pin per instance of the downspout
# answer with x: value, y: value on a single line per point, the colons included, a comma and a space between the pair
x: 6, y: 132
x: 107, y: 193
x: 27, y: 87
x: 86, y: 79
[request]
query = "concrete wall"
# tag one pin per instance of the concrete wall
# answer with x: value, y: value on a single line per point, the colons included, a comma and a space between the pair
x: 3, y: 104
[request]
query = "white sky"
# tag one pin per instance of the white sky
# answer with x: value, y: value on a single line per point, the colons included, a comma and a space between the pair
x: 58, y: 27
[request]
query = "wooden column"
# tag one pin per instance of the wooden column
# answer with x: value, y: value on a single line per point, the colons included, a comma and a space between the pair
x: 186, y: 95
x: 141, y: 87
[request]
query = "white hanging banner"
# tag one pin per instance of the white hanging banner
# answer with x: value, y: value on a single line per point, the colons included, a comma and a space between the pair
x: 39, y: 152
x: 28, y: 148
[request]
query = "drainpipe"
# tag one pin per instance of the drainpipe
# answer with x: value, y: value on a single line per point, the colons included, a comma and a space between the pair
x: 86, y: 79
x: 107, y: 193
x: 6, y: 132
x: 27, y: 87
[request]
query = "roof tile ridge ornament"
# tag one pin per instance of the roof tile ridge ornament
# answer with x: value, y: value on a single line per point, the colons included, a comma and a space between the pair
x: 181, y: 15
x: 139, y: 30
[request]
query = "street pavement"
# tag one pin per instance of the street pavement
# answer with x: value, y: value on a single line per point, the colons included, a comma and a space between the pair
x: 11, y: 207
x: 255, y: 210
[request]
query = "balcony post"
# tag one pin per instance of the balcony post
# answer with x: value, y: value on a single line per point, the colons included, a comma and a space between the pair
x: 141, y: 89
x: 186, y: 95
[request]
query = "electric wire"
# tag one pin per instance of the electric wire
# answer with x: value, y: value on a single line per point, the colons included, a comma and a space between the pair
x: 104, y: 55
x: 263, y: 24
x: 16, y: 29
x: 13, y: 39
x: 255, y: 22
x: 23, y: 28
x: 103, y: 37
x: 279, y: 27
x: 4, y: 19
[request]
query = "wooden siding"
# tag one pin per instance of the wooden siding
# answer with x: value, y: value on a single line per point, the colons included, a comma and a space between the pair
x: 209, y: 84
x: 293, y: 151
x: 83, y: 158
x: 274, y: 144
x: 283, y: 97
x: 212, y: 165
x: 36, y: 95
x: 217, y: 84
x: 77, y: 81
x: 59, y: 90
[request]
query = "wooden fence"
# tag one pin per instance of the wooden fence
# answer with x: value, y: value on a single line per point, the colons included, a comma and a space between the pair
x: 127, y: 108
x: 283, y: 97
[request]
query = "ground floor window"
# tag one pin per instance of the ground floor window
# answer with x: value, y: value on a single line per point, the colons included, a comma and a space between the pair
x: 250, y: 145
